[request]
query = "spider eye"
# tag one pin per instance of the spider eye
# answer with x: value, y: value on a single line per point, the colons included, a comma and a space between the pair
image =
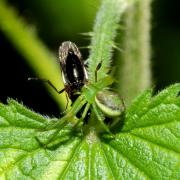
x: 109, y: 103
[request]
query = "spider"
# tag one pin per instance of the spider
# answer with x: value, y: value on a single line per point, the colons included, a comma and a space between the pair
x: 92, y: 96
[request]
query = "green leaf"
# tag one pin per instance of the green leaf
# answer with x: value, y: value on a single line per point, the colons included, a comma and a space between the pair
x: 147, y: 146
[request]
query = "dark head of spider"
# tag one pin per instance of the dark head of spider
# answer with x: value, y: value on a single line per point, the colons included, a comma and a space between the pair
x: 73, y: 70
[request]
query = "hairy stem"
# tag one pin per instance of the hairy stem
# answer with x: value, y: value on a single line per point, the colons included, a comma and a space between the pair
x: 31, y: 48
x: 103, y: 35
x: 135, y: 73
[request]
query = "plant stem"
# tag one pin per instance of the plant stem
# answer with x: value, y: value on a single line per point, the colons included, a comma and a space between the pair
x: 31, y: 48
x: 135, y: 73
x: 104, y: 32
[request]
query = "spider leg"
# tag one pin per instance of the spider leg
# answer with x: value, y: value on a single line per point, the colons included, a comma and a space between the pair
x: 58, y: 125
x: 97, y: 69
x: 78, y: 104
x: 100, y: 118
x: 84, y: 114
x: 65, y: 110
x: 85, y: 110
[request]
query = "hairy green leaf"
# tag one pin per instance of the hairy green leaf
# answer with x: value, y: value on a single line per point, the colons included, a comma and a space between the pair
x: 104, y: 33
x: 147, y: 145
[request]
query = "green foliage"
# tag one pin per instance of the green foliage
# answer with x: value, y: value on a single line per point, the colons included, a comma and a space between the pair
x: 103, y: 35
x: 145, y: 144
x: 145, y: 147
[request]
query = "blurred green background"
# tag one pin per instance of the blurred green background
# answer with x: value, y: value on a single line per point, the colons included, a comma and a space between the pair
x: 56, y: 21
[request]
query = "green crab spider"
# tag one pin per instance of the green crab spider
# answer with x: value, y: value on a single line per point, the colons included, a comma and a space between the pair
x: 85, y: 95
x: 92, y: 98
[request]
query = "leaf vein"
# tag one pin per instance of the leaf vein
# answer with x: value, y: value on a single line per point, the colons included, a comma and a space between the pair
x: 107, y: 162
x: 147, y: 126
x: 5, y: 170
x: 152, y: 142
x: 70, y: 161
x: 131, y: 161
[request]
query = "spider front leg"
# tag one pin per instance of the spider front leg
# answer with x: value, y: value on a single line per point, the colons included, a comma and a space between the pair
x: 83, y: 114
x: 100, y: 117
x: 76, y: 107
x: 55, y: 127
